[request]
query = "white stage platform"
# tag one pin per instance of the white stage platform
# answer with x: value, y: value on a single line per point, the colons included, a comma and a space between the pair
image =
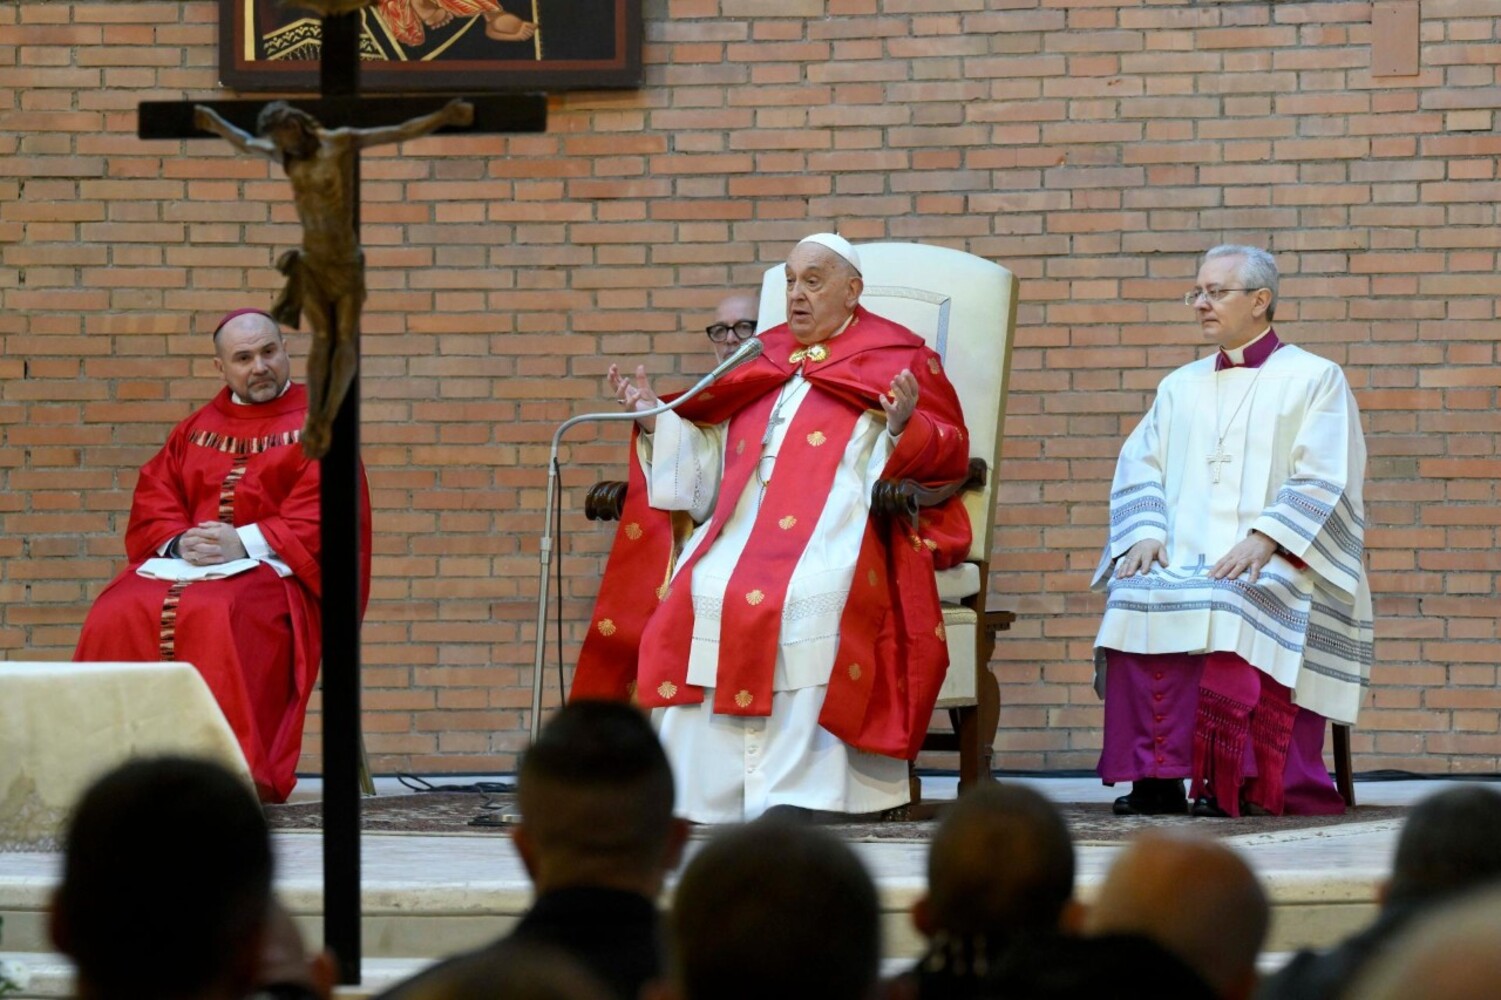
x: 426, y: 896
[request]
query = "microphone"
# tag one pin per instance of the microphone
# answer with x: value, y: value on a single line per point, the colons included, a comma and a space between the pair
x: 747, y: 351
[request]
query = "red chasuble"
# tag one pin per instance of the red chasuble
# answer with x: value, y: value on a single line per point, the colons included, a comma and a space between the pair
x: 892, y: 652
x: 257, y: 637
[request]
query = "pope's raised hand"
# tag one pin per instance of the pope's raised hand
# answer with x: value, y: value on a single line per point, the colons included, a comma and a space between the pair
x: 634, y: 393
x: 900, y: 401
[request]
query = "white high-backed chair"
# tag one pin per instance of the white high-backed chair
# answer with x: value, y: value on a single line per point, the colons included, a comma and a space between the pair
x: 965, y: 308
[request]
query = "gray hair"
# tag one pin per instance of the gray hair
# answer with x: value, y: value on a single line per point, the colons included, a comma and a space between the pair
x: 1258, y: 269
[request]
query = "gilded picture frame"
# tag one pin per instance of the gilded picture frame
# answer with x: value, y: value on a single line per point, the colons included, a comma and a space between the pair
x: 473, y: 46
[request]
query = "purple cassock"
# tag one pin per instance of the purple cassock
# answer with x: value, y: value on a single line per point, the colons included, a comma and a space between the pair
x: 1214, y: 718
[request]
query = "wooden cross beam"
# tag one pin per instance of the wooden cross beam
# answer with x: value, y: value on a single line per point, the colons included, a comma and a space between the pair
x: 493, y: 114
x: 341, y: 106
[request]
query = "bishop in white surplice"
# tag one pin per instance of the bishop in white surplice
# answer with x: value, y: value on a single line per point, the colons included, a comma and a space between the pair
x: 1238, y: 614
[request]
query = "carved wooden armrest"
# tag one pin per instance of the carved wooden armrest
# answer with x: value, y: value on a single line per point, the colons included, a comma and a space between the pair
x: 905, y: 497
x: 606, y: 501
x: 889, y: 497
x: 998, y: 621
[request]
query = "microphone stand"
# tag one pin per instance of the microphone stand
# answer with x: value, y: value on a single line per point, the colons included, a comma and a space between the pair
x: 747, y: 351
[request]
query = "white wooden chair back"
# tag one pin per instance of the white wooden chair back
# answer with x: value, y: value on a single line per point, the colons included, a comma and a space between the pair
x: 965, y: 308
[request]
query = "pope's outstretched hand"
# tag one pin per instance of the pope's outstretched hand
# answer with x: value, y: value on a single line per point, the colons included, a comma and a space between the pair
x: 634, y: 393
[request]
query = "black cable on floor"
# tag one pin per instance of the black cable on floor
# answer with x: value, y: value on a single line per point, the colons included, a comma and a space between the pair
x: 419, y: 784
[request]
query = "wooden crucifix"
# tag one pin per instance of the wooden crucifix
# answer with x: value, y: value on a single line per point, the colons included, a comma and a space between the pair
x: 340, y: 106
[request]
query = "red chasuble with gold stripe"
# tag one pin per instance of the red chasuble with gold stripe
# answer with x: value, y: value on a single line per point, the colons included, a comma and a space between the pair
x: 891, y: 654
x: 257, y: 637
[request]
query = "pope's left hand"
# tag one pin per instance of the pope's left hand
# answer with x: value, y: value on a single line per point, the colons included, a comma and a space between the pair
x: 1251, y: 553
x: 211, y: 543
x: 900, y: 402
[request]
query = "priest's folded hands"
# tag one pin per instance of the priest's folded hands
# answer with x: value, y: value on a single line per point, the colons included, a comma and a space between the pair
x: 210, y: 543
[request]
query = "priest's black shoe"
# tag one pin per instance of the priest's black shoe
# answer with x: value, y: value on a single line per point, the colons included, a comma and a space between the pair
x: 1153, y: 797
x: 1208, y: 807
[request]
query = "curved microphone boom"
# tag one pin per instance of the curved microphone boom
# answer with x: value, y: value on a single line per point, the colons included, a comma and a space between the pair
x: 747, y: 351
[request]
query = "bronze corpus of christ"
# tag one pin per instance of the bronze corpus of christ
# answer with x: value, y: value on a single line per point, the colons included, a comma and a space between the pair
x: 326, y: 277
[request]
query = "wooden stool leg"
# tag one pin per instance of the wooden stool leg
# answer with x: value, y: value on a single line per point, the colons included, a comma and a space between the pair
x: 1344, y: 778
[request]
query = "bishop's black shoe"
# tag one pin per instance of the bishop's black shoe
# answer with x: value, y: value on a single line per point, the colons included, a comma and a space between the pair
x: 1153, y: 797
x: 1206, y: 806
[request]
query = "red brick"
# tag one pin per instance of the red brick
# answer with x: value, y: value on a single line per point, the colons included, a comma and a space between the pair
x: 1093, y: 148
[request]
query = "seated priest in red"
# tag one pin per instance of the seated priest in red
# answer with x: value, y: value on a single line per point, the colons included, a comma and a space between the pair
x: 790, y: 646
x: 223, y: 545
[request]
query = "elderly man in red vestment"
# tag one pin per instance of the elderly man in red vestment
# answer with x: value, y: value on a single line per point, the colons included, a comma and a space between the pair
x: 223, y: 545
x: 790, y: 646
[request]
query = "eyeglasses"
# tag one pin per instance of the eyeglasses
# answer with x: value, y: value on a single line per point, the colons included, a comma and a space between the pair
x: 1212, y: 294
x: 720, y: 332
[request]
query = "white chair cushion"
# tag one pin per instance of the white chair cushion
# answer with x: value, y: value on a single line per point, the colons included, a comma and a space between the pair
x: 959, y: 683
x: 958, y: 582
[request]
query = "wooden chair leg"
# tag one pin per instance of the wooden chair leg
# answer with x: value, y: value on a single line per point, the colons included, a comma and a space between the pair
x: 988, y: 718
x: 1344, y: 778
x: 966, y: 723
x: 367, y: 783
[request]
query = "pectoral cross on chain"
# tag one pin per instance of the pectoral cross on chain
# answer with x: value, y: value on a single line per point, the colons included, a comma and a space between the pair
x: 777, y: 418
x: 771, y: 426
x: 1216, y: 459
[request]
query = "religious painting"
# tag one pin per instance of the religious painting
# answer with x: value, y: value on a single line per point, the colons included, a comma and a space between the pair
x: 473, y: 46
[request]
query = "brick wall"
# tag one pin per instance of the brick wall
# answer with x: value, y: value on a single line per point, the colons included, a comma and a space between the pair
x: 1092, y: 147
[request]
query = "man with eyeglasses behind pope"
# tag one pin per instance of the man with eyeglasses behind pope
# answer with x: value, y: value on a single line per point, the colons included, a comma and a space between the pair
x: 734, y: 324
x: 1238, y: 614
x: 789, y: 645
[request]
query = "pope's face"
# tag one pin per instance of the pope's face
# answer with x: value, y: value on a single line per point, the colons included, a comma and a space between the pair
x: 822, y: 290
x: 252, y: 357
x: 1240, y: 315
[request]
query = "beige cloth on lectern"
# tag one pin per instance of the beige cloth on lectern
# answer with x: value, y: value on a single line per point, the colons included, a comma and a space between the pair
x: 63, y: 725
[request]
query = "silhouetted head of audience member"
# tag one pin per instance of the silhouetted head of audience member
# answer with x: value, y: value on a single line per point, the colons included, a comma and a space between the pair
x: 972, y: 891
x: 1451, y: 842
x: 510, y: 970
x: 773, y: 908
x: 596, y: 796
x: 166, y: 883
x: 1195, y: 897
x: 1451, y: 952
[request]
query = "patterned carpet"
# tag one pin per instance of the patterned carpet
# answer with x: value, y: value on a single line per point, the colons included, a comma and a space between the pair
x: 472, y: 813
